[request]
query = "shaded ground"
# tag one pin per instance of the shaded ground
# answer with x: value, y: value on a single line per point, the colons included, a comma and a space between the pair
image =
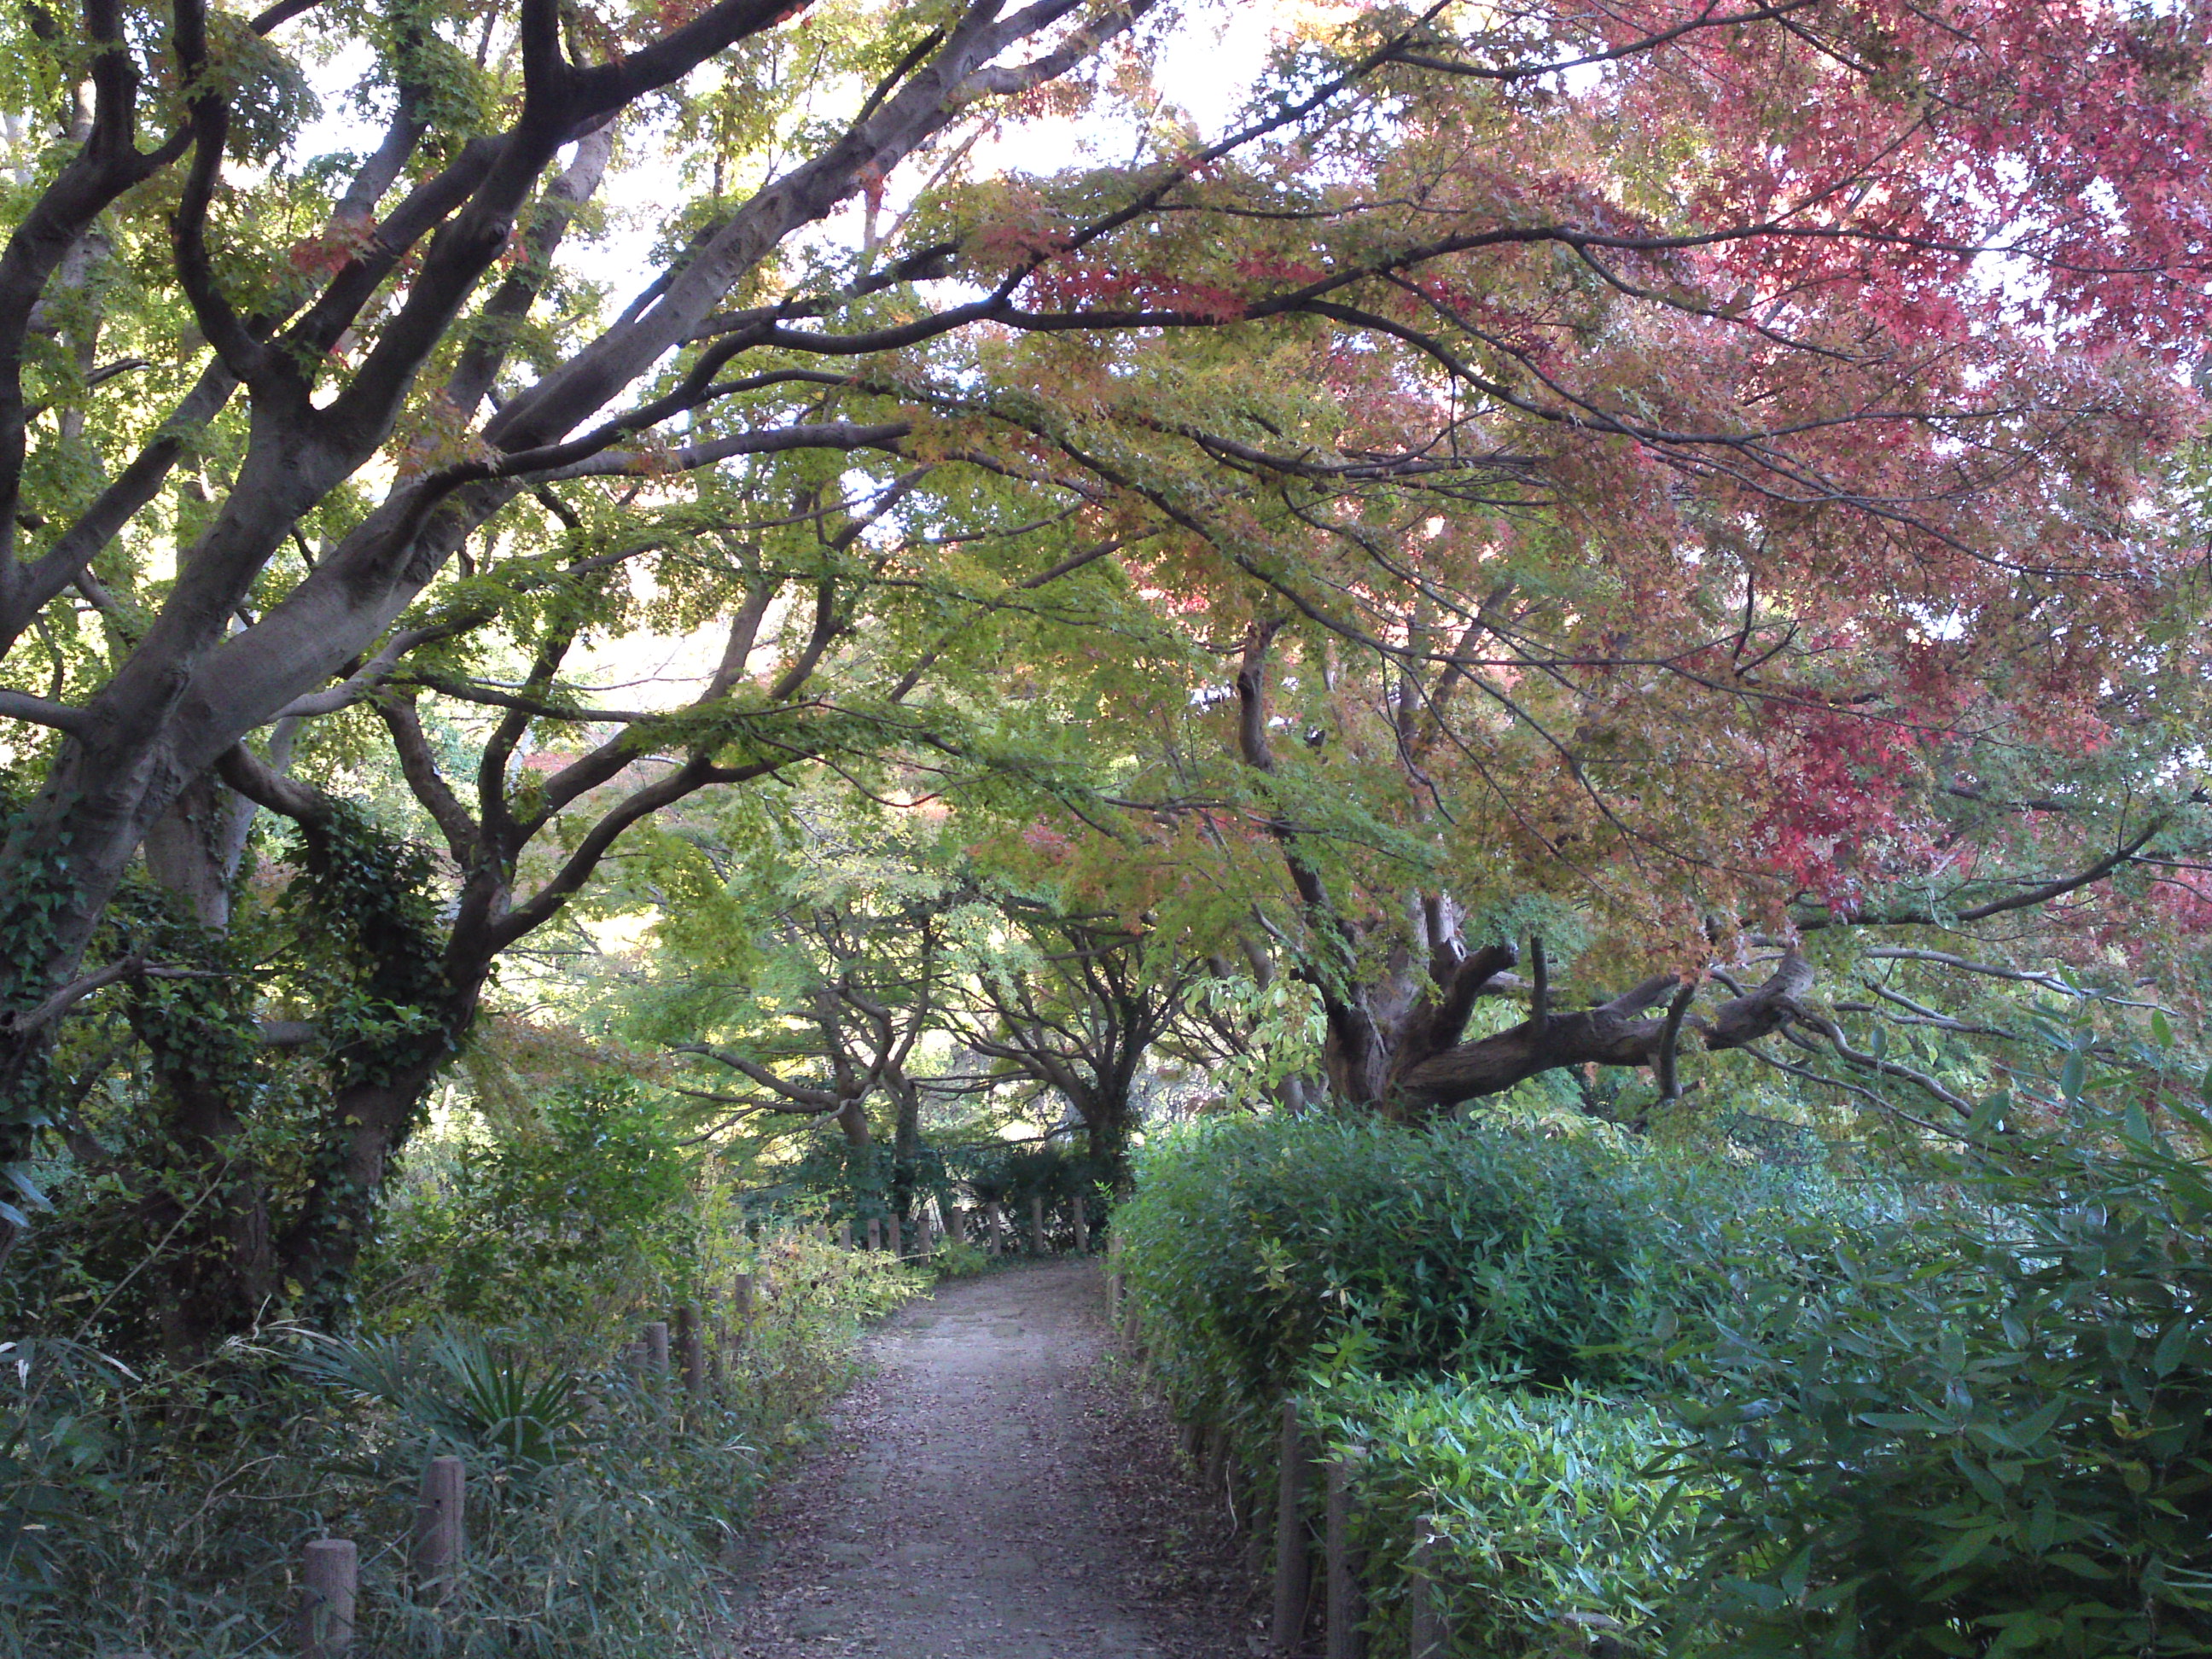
x: 994, y: 1492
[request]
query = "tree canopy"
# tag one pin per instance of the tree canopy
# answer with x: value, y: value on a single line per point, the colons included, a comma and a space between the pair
x: 1570, y: 506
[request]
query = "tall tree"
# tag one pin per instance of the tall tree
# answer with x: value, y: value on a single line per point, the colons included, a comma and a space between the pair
x: 1073, y: 1002
x: 1631, y: 384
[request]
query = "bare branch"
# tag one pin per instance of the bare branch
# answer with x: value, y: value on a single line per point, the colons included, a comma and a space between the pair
x: 2027, y: 899
x: 813, y: 1099
x: 1866, y: 1063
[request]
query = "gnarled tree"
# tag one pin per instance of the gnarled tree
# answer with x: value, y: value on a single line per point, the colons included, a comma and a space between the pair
x: 1609, y: 390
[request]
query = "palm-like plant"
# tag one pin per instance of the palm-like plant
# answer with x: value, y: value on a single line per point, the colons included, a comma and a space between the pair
x: 462, y: 1388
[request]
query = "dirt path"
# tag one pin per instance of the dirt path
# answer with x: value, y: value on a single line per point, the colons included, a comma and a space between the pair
x: 993, y: 1492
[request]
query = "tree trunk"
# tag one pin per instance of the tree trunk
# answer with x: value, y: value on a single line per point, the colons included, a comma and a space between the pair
x: 906, y: 1147
x: 239, y: 1241
x: 1108, y: 1120
x: 852, y: 1120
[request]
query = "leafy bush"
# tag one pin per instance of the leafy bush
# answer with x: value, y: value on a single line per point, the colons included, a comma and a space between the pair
x: 58, y: 1447
x: 1983, y: 1433
x: 1977, y: 1423
x: 1544, y: 1519
x: 1372, y: 1270
x: 958, y: 1258
x: 1457, y: 1249
x: 576, y: 1219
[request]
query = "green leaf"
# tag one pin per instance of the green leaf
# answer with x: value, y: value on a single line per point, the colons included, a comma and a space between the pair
x: 1906, y: 1422
x: 2172, y: 1344
x: 1967, y: 1547
x: 2038, y: 1423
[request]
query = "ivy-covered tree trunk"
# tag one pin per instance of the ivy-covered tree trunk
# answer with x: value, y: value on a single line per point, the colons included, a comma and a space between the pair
x: 264, y: 1145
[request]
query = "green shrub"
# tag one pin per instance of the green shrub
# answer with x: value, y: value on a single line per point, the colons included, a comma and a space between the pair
x: 1483, y: 1249
x: 1371, y: 1269
x: 575, y: 1219
x: 958, y: 1258
x: 1975, y: 1420
x: 1983, y: 1432
x: 1546, y: 1525
x: 58, y: 1446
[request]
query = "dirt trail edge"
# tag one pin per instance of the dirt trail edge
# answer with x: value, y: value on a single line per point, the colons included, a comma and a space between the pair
x: 993, y: 1491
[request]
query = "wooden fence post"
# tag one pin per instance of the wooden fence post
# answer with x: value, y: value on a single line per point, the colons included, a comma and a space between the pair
x: 440, y: 1526
x: 1076, y: 1208
x: 691, y: 1349
x: 656, y: 1348
x: 844, y: 1235
x: 1348, y: 1601
x: 875, y: 1234
x: 994, y: 1219
x: 898, y: 1239
x: 1293, y: 1565
x: 956, y: 1223
x: 1036, y: 1225
x: 328, y: 1581
x: 1425, y: 1593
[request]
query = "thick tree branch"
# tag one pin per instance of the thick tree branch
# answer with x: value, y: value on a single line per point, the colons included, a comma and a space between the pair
x: 464, y: 838
x: 1664, y: 1070
x: 1607, y: 1035
x: 35, y: 1019
x: 208, y: 117
x: 500, y: 319
x: 1767, y: 1010
x: 41, y: 711
x: 267, y: 786
x: 1473, y: 976
x: 107, y: 163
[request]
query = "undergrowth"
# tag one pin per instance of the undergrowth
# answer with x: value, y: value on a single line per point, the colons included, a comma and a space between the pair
x: 167, y: 1513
